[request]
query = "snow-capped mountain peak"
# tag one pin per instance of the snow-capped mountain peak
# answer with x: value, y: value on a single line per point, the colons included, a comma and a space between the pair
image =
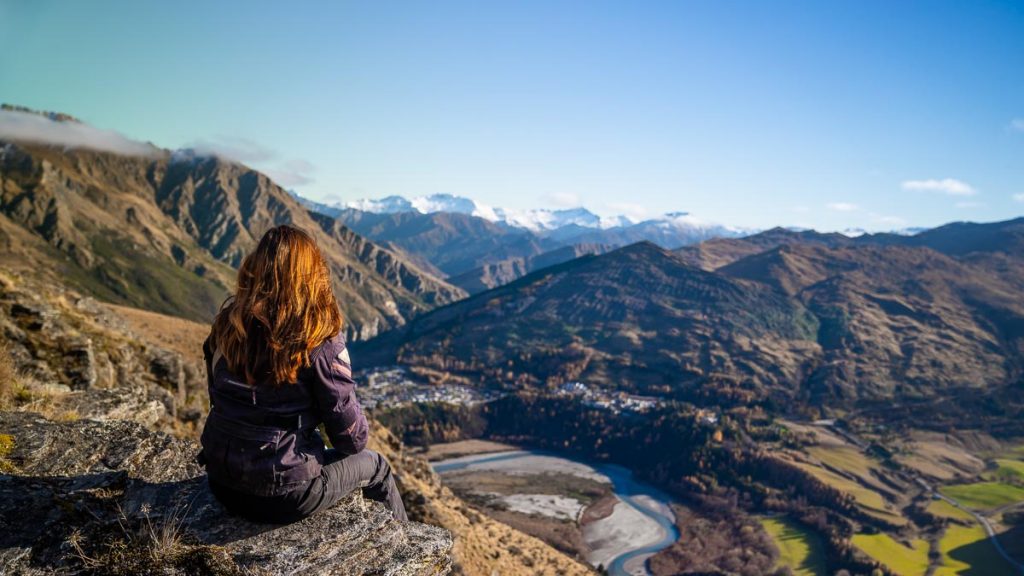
x: 425, y: 205
x: 387, y: 205
x: 538, y: 220
x: 542, y: 219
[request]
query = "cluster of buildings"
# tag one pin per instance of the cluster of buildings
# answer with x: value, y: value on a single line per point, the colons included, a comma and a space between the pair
x: 614, y: 401
x: 392, y: 387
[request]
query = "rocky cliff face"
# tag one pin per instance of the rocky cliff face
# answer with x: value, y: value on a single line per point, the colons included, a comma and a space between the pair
x: 112, y: 497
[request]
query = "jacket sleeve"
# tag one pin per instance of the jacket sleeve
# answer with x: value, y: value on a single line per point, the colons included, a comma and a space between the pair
x: 336, y: 401
x: 207, y: 361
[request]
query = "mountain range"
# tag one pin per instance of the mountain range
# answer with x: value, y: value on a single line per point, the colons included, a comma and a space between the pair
x: 535, y: 220
x: 791, y: 319
x: 475, y: 246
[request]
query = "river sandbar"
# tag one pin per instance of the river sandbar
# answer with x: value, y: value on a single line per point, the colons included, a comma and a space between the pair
x: 626, y: 529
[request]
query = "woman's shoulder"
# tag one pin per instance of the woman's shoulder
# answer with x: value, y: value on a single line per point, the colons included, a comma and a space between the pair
x: 330, y: 348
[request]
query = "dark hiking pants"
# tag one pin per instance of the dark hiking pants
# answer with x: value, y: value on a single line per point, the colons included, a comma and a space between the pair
x: 341, y: 474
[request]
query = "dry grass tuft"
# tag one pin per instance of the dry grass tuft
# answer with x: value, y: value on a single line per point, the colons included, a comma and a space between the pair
x: 154, y: 547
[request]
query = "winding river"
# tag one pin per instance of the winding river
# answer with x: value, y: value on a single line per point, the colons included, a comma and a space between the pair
x: 643, y: 528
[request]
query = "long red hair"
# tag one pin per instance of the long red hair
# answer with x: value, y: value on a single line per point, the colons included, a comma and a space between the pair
x: 283, y: 308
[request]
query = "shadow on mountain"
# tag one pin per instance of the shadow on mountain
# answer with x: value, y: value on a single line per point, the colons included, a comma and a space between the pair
x: 982, y: 556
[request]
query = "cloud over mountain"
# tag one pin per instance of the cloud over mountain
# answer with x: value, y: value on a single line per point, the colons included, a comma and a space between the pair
x: 24, y: 126
x: 287, y: 173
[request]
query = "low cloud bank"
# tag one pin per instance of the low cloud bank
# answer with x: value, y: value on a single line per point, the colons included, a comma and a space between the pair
x: 21, y: 126
x: 286, y: 173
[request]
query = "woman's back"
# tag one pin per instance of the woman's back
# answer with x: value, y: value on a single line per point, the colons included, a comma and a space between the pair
x: 278, y: 368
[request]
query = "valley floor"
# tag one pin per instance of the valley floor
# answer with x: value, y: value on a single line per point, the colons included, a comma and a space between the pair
x: 971, y: 486
x: 595, y: 512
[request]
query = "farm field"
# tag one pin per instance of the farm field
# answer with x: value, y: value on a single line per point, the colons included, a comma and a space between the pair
x: 966, y: 550
x: 871, y: 501
x: 854, y: 462
x: 947, y: 510
x: 907, y: 561
x: 984, y: 495
x: 1009, y: 470
x: 799, y: 549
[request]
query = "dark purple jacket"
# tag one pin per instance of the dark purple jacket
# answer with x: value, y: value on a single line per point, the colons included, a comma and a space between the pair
x: 263, y: 439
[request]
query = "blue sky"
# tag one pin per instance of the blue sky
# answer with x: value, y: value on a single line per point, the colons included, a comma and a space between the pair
x: 874, y: 114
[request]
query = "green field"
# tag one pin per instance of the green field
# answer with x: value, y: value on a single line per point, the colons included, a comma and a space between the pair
x: 984, y: 495
x: 906, y: 561
x: 799, y: 549
x: 947, y: 510
x: 965, y: 550
x: 1009, y: 470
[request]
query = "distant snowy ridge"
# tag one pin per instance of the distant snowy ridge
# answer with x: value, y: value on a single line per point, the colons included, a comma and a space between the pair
x: 536, y: 220
x: 566, y: 225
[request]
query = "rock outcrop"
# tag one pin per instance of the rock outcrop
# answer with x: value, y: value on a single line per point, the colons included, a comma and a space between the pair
x: 75, y: 358
x: 107, y: 497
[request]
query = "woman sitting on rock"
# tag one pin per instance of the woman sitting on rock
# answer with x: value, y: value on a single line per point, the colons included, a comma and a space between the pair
x: 277, y: 369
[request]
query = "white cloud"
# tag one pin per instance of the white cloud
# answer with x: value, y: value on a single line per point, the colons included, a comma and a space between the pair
x: 231, y: 148
x: 1017, y: 124
x: 291, y: 173
x: 28, y: 127
x: 286, y: 173
x: 635, y: 212
x: 948, y: 186
x: 1018, y: 198
x: 842, y: 207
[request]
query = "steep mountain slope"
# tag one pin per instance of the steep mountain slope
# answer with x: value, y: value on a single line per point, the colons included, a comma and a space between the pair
x: 446, y: 242
x: 635, y: 319
x: 898, y: 321
x: 449, y: 242
x: 510, y: 269
x: 163, y: 232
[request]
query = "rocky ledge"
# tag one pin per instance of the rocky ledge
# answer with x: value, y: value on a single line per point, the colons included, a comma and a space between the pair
x: 91, y: 497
